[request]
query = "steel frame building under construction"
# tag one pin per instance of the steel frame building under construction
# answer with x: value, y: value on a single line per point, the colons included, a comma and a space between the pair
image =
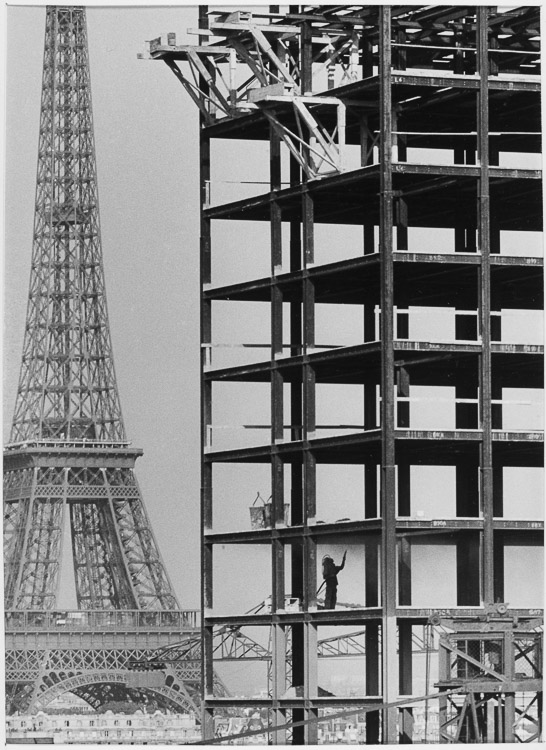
x: 419, y: 126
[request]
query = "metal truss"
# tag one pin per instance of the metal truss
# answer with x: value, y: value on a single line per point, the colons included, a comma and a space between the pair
x: 316, y: 150
x: 35, y: 678
x: 269, y: 55
x: 499, y: 668
x: 272, y: 84
x: 467, y: 719
x: 117, y: 563
x: 67, y: 387
x: 231, y: 644
x: 68, y: 460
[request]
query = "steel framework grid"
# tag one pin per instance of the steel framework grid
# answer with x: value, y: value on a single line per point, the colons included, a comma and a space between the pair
x: 488, y: 67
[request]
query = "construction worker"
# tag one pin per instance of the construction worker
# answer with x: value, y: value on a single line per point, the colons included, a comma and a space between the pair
x: 329, y: 573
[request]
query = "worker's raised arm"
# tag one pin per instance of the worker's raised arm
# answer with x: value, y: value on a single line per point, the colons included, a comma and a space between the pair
x: 340, y: 567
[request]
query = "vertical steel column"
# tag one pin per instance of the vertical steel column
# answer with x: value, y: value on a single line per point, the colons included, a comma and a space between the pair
x: 311, y: 681
x: 372, y: 678
x: 309, y: 411
x: 277, y: 411
x: 309, y: 380
x: 498, y: 564
x: 366, y: 158
x: 295, y: 350
x: 366, y: 47
x: 306, y: 57
x: 276, y: 316
x: 296, y: 419
x: 278, y: 639
x: 406, y: 680
x: 388, y: 478
x: 485, y: 306
x: 467, y: 488
x: 444, y: 674
x: 370, y: 420
x: 278, y: 680
x: 468, y: 562
x: 404, y: 572
x: 509, y: 670
x: 309, y: 418
x: 370, y: 488
x: 296, y: 433
x: 498, y: 493
x: 400, y: 206
x: 540, y: 701
x: 277, y: 572
x: 371, y: 566
x: 404, y: 487
x: 207, y: 676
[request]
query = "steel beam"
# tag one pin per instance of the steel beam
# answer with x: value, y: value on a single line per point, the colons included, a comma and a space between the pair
x: 388, y: 478
x: 484, y: 225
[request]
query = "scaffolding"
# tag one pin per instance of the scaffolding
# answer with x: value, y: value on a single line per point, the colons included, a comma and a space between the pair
x: 409, y: 137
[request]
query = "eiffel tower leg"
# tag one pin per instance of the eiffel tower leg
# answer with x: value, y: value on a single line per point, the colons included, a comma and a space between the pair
x: 33, y: 562
x: 17, y: 493
x: 101, y: 572
x: 152, y: 585
x: 39, y: 683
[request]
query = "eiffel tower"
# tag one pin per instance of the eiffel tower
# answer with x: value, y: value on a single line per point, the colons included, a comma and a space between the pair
x: 68, y: 460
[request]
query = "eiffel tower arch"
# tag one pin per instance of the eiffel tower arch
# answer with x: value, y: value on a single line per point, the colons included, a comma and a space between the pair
x: 68, y: 461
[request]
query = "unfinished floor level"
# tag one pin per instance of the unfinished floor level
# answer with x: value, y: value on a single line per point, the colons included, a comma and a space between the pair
x: 372, y: 368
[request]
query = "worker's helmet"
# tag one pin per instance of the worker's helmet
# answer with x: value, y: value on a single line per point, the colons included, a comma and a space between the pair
x: 326, y: 557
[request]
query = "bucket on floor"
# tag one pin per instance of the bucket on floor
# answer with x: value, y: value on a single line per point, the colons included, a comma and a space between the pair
x: 261, y: 516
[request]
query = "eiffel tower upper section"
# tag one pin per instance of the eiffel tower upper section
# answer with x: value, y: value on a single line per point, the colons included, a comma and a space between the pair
x: 67, y: 387
x: 68, y: 460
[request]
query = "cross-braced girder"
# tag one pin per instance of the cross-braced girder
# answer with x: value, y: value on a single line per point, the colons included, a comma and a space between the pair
x: 35, y: 677
x: 230, y: 643
x: 499, y: 667
x: 271, y: 82
x: 56, y: 652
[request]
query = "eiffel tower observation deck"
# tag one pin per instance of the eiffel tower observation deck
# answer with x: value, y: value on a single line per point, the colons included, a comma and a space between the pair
x: 68, y: 462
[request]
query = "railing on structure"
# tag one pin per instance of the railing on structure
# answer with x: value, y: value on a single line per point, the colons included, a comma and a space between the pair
x: 68, y: 443
x: 109, y: 620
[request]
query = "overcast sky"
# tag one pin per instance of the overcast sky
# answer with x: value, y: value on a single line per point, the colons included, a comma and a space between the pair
x: 146, y: 144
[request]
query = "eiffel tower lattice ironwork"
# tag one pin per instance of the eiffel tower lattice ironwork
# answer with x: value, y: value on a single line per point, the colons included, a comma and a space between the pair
x: 68, y: 460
